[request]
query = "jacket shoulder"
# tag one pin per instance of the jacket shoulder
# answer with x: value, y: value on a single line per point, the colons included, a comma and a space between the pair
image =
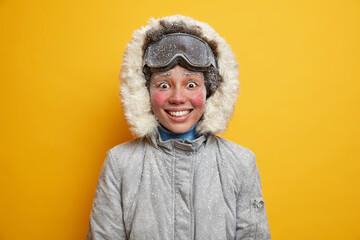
x: 234, y: 148
x: 126, y: 145
x: 238, y: 156
x: 126, y: 150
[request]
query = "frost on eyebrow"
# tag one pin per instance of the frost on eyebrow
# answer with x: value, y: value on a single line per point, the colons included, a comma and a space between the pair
x: 192, y: 73
x: 161, y: 74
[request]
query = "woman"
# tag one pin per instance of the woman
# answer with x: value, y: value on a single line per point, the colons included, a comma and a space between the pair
x: 178, y: 180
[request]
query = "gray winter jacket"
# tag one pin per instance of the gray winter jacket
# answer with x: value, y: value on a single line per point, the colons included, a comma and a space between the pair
x: 208, y: 188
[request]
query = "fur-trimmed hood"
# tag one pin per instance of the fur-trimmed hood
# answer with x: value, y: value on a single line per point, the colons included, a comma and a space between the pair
x: 135, y: 95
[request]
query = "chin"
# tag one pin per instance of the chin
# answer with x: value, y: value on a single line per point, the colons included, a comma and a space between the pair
x: 179, y: 129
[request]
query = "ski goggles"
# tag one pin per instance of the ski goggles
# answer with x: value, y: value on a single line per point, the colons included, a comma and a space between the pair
x: 189, y: 49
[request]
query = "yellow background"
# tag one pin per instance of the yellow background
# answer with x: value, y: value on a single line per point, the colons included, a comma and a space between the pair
x: 298, y: 109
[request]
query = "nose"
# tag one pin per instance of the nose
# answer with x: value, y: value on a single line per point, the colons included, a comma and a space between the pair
x: 177, y: 96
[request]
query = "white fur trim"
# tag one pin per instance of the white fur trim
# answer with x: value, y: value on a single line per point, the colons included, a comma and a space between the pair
x: 135, y: 96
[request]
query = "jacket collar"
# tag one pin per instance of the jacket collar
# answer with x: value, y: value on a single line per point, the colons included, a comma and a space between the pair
x: 187, y: 146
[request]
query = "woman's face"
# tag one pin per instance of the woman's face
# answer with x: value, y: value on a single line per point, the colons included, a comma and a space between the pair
x: 178, y: 98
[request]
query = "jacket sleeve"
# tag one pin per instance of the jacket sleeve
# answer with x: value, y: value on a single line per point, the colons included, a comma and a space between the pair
x: 251, y: 219
x: 106, y: 218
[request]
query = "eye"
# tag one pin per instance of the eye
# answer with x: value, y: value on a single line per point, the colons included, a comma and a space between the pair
x: 191, y: 84
x: 164, y: 85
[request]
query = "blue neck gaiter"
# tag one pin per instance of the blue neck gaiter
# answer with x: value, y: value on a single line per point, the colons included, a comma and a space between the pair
x: 166, y: 134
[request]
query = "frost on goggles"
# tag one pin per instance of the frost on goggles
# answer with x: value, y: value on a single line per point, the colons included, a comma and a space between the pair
x: 191, y: 49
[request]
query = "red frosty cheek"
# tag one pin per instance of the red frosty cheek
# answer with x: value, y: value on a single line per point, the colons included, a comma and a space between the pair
x: 198, y: 99
x: 159, y: 98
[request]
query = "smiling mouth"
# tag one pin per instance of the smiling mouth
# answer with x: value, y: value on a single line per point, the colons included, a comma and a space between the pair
x: 178, y: 113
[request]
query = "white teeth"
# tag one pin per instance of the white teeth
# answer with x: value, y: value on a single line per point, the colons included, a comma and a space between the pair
x: 178, y: 113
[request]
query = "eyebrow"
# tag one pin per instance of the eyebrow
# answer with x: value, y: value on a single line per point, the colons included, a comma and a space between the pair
x: 192, y: 73
x: 162, y: 74
x: 169, y: 75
